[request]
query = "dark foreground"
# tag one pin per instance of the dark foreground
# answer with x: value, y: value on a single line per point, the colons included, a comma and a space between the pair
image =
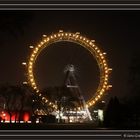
x: 82, y: 126
x: 49, y: 126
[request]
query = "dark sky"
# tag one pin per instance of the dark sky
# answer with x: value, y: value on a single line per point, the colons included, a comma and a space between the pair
x: 52, y: 62
x: 115, y: 32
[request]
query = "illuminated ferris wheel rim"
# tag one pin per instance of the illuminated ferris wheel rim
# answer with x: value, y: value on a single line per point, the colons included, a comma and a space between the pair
x: 84, y: 42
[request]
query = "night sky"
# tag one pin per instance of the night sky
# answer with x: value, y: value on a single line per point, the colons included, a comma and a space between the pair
x: 115, y: 32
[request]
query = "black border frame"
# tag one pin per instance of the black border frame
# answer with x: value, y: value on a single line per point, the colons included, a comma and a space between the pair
x: 70, y: 5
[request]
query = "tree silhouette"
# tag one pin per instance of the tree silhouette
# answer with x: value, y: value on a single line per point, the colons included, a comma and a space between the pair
x: 14, y: 97
x: 114, y: 113
x: 133, y: 101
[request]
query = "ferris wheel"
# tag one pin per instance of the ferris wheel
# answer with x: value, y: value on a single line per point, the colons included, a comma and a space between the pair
x: 83, y: 41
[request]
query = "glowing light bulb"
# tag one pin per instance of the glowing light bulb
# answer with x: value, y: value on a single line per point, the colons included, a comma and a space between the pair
x: 93, y: 102
x: 78, y: 33
x: 90, y: 43
x: 92, y: 40
x: 81, y: 37
x: 101, y: 93
x: 31, y: 63
x: 25, y: 83
x: 31, y: 47
x: 60, y: 31
x: 42, y: 42
x: 24, y: 63
x: 96, y: 98
x: 45, y: 40
x: 44, y: 35
x: 33, y: 83
x: 33, y: 55
x: 110, y: 69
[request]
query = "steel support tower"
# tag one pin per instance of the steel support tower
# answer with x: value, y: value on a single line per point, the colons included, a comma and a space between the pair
x: 71, y: 83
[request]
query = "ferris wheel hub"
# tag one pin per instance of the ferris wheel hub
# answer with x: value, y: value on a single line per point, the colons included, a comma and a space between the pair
x: 70, y: 68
